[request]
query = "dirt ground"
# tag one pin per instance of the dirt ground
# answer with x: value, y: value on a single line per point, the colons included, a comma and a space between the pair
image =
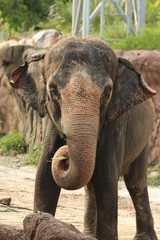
x: 17, y: 182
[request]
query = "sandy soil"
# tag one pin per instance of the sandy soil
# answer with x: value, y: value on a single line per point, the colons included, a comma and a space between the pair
x: 17, y: 182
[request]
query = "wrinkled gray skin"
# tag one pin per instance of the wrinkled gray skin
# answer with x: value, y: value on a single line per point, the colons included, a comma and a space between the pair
x: 10, y: 58
x: 99, y: 101
x: 13, y: 56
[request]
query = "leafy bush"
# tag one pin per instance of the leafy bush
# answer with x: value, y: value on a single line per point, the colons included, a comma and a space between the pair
x: 154, y: 181
x: 153, y: 175
x: 34, y: 154
x: 25, y: 14
x: 152, y: 12
x: 60, y: 16
x: 142, y: 41
x: 13, y: 142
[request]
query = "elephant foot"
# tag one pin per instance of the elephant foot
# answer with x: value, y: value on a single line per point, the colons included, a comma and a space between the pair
x: 146, y: 236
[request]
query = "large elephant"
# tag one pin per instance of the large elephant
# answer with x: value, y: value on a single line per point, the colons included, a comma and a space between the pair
x: 99, y: 103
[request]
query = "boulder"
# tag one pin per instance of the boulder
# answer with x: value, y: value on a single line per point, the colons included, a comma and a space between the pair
x: 43, y: 38
x: 41, y: 226
x: 26, y: 41
x: 10, y: 233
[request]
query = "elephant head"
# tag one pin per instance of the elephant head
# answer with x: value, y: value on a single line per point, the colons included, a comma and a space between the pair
x: 13, y: 56
x: 87, y: 87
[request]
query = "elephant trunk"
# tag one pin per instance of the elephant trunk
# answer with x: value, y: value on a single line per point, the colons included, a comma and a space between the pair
x: 80, y: 124
x: 80, y: 113
x: 77, y: 169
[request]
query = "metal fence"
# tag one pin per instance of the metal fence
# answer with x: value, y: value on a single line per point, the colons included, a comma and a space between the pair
x: 133, y: 15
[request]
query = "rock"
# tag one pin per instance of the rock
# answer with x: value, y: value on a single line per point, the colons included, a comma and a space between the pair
x: 41, y: 226
x: 10, y: 233
x: 26, y: 41
x: 43, y: 38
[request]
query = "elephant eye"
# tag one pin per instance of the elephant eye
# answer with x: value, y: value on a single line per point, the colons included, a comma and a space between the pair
x: 107, y: 92
x: 106, y: 95
x: 55, y: 93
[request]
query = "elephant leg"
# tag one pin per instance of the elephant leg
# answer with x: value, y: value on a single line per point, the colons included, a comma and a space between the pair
x: 90, y: 210
x: 136, y: 183
x: 105, y: 185
x: 46, y: 190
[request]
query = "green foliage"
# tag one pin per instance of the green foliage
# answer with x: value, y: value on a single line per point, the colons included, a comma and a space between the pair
x: 13, y: 142
x: 142, y: 41
x: 153, y: 176
x: 154, y: 181
x: 114, y: 27
x: 37, y: 11
x: 21, y: 15
x: 152, y: 12
x: 1, y: 121
x: 34, y: 154
x: 13, y: 12
x: 60, y: 16
x: 25, y: 15
x: 1, y: 19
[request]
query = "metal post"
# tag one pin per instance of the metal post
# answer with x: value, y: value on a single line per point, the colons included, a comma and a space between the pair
x: 129, y: 17
x: 102, y: 19
x: 74, y: 14
x: 86, y: 14
x: 78, y: 17
x: 95, y: 13
x: 141, y: 14
x: 122, y: 14
x: 97, y: 10
x: 135, y: 10
x: 84, y: 5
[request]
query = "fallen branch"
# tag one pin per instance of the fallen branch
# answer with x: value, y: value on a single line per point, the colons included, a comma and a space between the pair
x: 13, y: 207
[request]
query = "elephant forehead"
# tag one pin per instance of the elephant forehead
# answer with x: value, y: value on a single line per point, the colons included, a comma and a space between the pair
x: 89, y: 51
x: 81, y: 88
x: 71, y: 55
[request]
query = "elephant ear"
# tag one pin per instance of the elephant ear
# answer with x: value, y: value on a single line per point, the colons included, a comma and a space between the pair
x: 128, y: 91
x: 28, y: 79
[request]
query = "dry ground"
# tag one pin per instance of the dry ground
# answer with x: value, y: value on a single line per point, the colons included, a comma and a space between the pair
x: 17, y: 182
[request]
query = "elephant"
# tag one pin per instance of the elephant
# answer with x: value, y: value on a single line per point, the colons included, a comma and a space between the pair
x: 18, y: 114
x: 13, y: 56
x: 104, y: 114
x: 10, y: 58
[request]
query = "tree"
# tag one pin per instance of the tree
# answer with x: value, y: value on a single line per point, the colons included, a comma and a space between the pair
x: 14, y: 12
x: 38, y: 11
x: 152, y: 12
x: 24, y: 14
